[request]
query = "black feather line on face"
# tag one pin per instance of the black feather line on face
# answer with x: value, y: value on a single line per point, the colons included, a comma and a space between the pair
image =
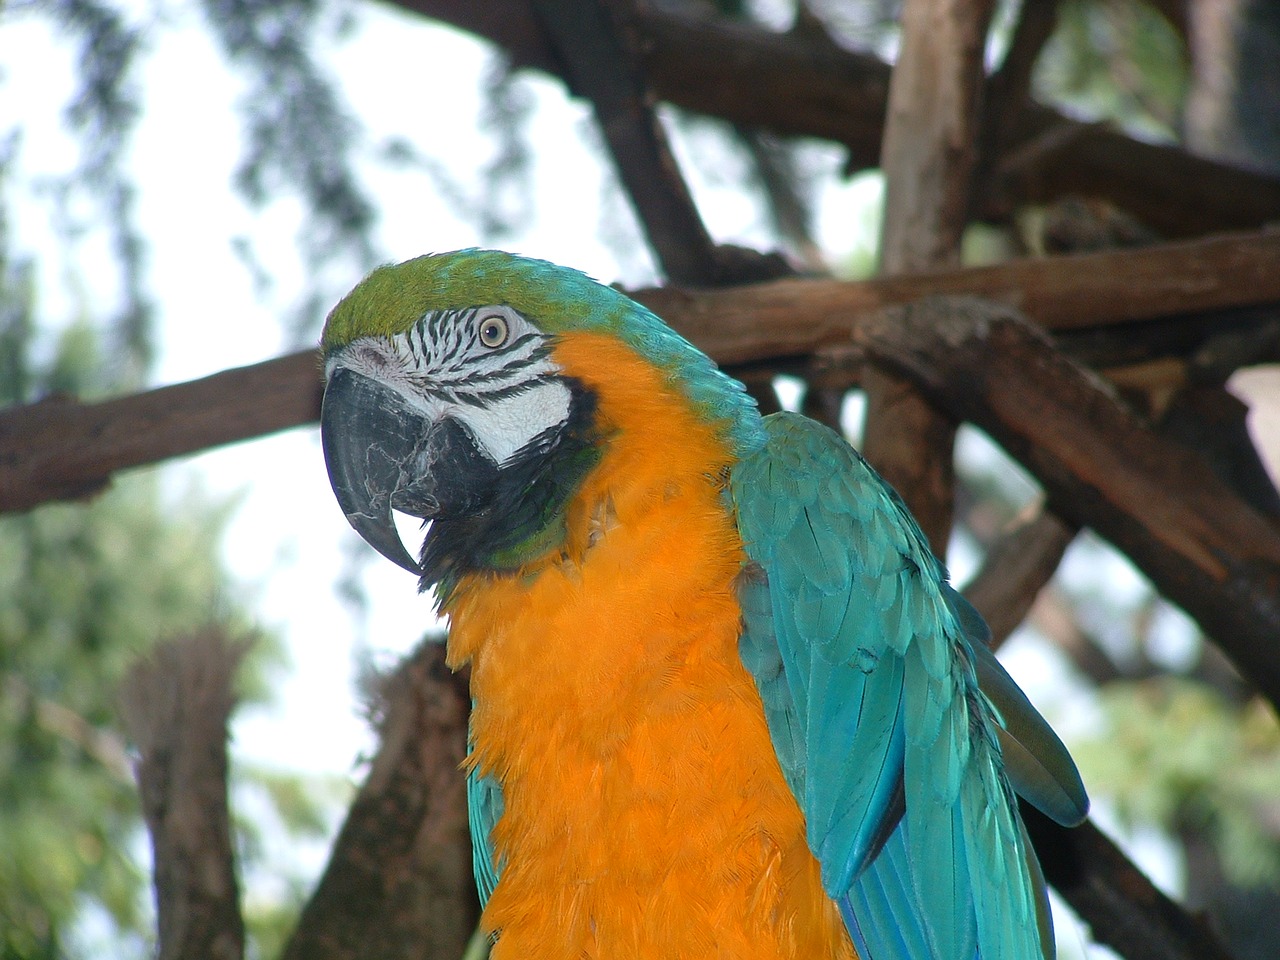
x: 525, y: 516
x: 508, y: 368
x: 486, y: 398
x: 513, y: 345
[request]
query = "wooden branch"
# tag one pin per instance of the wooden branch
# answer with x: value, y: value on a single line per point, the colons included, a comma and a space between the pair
x: 1122, y: 907
x: 796, y: 317
x: 931, y: 128
x: 176, y: 703
x: 790, y: 84
x: 604, y: 67
x: 62, y: 449
x: 1016, y: 568
x: 600, y: 66
x: 929, y: 156
x: 398, y: 884
x: 1210, y: 419
x: 1202, y: 545
x: 1009, y: 89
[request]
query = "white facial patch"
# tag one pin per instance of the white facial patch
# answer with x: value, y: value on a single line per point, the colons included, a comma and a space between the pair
x: 450, y: 364
x: 510, y: 424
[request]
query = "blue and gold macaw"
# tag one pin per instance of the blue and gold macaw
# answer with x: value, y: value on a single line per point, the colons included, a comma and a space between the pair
x: 725, y: 702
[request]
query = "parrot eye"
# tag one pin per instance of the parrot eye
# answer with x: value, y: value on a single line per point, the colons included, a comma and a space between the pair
x: 493, y: 331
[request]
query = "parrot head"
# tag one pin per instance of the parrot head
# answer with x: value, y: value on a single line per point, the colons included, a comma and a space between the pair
x: 445, y: 399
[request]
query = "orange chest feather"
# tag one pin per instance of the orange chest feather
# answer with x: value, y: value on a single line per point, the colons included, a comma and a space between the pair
x: 645, y: 812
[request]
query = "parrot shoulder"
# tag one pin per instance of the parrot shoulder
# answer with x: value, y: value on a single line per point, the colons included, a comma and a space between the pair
x: 865, y: 659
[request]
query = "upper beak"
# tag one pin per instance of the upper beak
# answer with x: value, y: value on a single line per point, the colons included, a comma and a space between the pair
x: 374, y: 446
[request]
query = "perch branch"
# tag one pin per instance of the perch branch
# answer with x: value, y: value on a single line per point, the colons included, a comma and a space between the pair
x: 1158, y: 502
x: 928, y: 158
x: 398, y: 883
x: 61, y: 449
x: 175, y: 704
x: 1072, y: 292
x: 792, y: 84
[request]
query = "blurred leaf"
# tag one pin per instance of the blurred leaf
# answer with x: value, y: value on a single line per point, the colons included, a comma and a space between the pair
x: 1116, y: 60
x: 1176, y: 754
x: 84, y: 589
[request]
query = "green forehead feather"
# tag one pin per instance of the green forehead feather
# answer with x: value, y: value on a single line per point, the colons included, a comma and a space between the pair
x: 558, y: 300
x: 393, y: 298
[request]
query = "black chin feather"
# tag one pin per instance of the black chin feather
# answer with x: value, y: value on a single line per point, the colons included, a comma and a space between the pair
x: 526, y: 502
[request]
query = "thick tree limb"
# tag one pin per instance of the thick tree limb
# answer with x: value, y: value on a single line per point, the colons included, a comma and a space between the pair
x: 796, y: 317
x: 398, y: 884
x: 1161, y: 504
x: 928, y: 156
x: 61, y: 449
x: 1016, y: 568
x: 175, y: 705
x: 928, y: 153
x: 787, y: 83
x: 1122, y: 907
x: 599, y: 65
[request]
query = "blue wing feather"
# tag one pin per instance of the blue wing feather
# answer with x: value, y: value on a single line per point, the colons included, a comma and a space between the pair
x: 484, y: 807
x: 883, y: 894
x: 864, y: 660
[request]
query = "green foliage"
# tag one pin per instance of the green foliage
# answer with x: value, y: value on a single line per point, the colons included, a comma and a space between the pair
x: 103, y: 114
x: 1116, y: 60
x: 84, y: 588
x: 1176, y: 754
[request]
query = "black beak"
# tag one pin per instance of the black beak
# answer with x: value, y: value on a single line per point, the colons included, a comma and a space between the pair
x: 382, y: 454
x: 369, y: 435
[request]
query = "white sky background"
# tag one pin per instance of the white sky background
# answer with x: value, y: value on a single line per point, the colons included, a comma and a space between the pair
x: 402, y: 77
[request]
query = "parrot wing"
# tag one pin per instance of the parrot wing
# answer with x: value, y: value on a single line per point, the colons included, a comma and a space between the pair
x: 859, y: 649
